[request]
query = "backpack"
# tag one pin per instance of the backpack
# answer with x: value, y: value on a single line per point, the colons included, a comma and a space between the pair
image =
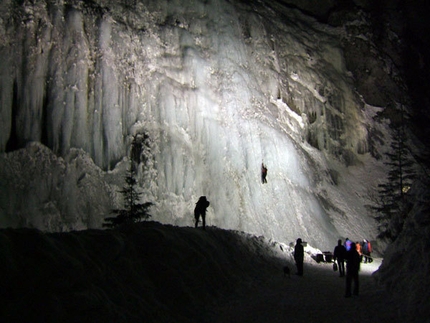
x: 369, y: 247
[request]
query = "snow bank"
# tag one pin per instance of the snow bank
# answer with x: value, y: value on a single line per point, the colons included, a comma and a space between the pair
x: 145, y: 271
x: 161, y: 273
x: 406, y: 265
x: 41, y: 190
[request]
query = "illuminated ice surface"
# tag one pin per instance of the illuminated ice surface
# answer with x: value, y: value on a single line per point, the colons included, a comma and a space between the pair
x: 219, y: 87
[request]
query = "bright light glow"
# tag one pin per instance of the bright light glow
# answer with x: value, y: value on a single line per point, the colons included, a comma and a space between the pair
x: 406, y: 188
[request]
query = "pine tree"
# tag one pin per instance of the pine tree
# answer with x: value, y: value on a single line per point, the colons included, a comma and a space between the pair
x: 393, y: 205
x: 133, y: 211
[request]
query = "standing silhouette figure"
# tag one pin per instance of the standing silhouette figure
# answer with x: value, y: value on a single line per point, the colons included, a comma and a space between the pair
x: 352, y: 269
x: 299, y: 256
x: 339, y: 254
x: 200, y: 210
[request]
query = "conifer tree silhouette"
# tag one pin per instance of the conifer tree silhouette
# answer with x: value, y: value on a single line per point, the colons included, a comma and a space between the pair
x: 393, y: 203
x: 133, y: 210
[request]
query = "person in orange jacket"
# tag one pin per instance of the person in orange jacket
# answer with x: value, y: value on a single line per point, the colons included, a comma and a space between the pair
x: 358, y: 248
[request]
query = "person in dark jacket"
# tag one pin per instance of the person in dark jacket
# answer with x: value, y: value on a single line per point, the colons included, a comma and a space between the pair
x: 352, y: 269
x: 200, y: 210
x: 263, y: 173
x: 339, y: 254
x: 299, y: 255
x: 367, y: 249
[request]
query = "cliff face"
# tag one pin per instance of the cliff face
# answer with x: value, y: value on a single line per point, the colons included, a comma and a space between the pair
x: 77, y: 75
x: 219, y: 87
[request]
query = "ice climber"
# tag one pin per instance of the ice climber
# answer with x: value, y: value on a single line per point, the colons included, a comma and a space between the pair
x: 263, y: 173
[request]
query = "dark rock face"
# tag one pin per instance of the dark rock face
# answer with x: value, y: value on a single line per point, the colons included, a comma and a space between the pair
x: 400, y: 32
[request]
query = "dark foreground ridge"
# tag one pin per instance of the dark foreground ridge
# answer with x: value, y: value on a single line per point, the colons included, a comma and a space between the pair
x: 145, y: 272
x: 149, y: 272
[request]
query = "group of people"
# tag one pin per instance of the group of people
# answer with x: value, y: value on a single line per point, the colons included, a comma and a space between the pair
x: 351, y: 253
x: 364, y: 249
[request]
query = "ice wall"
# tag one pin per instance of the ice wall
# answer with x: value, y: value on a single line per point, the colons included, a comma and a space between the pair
x: 219, y: 86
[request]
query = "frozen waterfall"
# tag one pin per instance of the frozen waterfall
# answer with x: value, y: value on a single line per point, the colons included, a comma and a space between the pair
x: 219, y: 86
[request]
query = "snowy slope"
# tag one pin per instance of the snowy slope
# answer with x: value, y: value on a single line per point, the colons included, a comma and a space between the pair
x: 154, y: 273
x: 404, y: 271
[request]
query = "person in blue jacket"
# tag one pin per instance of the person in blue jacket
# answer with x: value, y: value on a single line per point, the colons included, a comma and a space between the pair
x: 347, y: 244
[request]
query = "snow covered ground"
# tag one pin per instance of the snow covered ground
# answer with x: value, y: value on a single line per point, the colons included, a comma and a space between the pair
x: 160, y: 273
